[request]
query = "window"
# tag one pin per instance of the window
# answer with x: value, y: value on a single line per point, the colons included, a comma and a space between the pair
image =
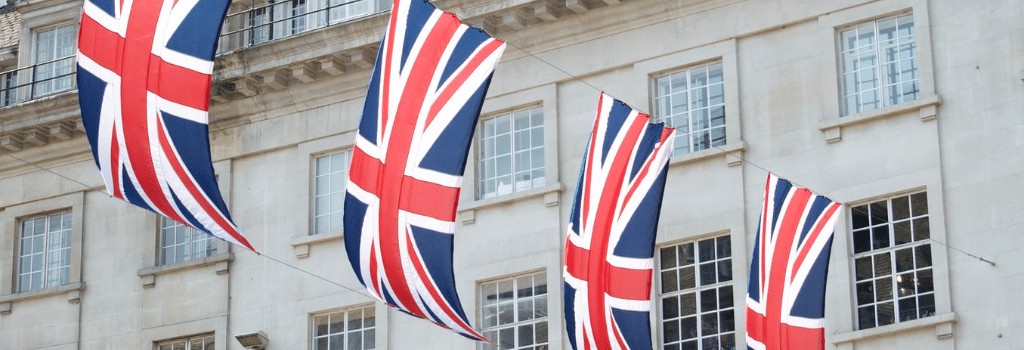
x: 53, y: 50
x: 260, y: 31
x: 199, y: 342
x: 892, y: 261
x: 697, y: 295
x: 511, y: 153
x: 692, y: 101
x: 45, y: 252
x: 182, y: 243
x: 330, y: 177
x: 345, y: 330
x: 289, y: 17
x: 515, y: 312
x: 345, y: 9
x: 878, y: 64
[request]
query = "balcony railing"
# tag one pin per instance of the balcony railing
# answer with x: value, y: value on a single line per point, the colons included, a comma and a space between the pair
x: 36, y: 81
x: 262, y: 24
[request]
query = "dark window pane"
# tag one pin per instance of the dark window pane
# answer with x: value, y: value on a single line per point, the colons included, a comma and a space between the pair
x: 686, y: 278
x: 886, y: 314
x: 905, y: 284
x: 921, y: 230
x: 668, y: 257
x: 337, y: 323
x: 688, y: 328
x: 690, y: 345
x: 860, y: 217
x: 926, y: 305
x: 725, y: 297
x: 670, y: 308
x: 923, y: 255
x: 865, y: 294
x: 688, y: 304
x: 879, y: 213
x: 708, y: 300
x: 901, y: 233
x: 900, y: 208
x: 707, y: 274
x: 919, y: 203
x: 709, y: 343
x: 728, y: 321
x: 864, y: 270
x: 526, y: 335
x: 728, y: 342
x: 883, y: 267
x: 671, y: 331
x: 904, y: 259
x: 542, y: 332
x: 724, y: 271
x: 866, y: 317
x: 709, y: 323
x: 669, y: 281
x: 924, y: 281
x: 724, y: 245
x: 337, y: 342
x: 908, y: 309
x: 883, y: 289
x: 685, y: 254
x: 506, y: 338
x: 880, y: 237
x: 861, y: 241
x: 707, y: 250
x: 671, y: 347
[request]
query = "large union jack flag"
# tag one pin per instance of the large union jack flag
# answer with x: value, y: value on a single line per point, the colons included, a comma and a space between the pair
x: 144, y: 86
x: 609, y: 249
x: 786, y: 291
x: 424, y: 99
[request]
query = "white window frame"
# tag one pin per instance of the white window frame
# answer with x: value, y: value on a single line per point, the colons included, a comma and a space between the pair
x: 830, y: 27
x: 55, y: 262
x: 515, y: 304
x: 195, y: 342
x: 700, y: 120
x: 62, y: 66
x: 328, y: 207
x: 721, y: 289
x: 899, y: 52
x: 888, y: 257
x: 343, y: 335
x: 524, y: 127
x: 196, y: 244
x: 647, y: 71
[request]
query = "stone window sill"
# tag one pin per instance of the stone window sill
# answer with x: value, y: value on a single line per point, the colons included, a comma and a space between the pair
x: 467, y: 212
x: 219, y: 261
x: 943, y: 329
x: 723, y: 151
x: 72, y: 290
x: 925, y: 106
x: 301, y: 244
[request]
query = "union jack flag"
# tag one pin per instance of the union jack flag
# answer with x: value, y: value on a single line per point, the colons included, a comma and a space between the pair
x: 786, y: 291
x: 609, y: 249
x: 144, y: 86
x: 424, y: 98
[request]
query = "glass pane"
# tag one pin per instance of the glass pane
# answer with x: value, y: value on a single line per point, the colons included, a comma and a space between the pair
x: 337, y: 342
x: 320, y: 326
x: 883, y: 289
x: 727, y: 321
x: 525, y: 335
x: 863, y: 268
x: 861, y: 241
x: 900, y: 208
x: 338, y: 162
x: 506, y: 314
x: 688, y: 304
x: 921, y: 229
x: 707, y: 250
x: 687, y: 279
x: 904, y: 259
x: 489, y: 293
x: 886, y: 314
x: 337, y: 323
x: 668, y: 257
x: 707, y: 274
x: 688, y: 328
x: 541, y: 331
x: 859, y: 216
x: 490, y: 316
x: 711, y: 342
x: 919, y: 203
x: 369, y: 339
x: 725, y: 297
x: 901, y: 233
x: 323, y: 165
x: 880, y: 237
x: 879, y: 213
x: 905, y: 284
x: 709, y: 323
x: 715, y: 73
x: 686, y: 254
x: 670, y: 331
x: 669, y: 281
x: 525, y: 310
x: 883, y: 267
x: 670, y: 307
x: 887, y: 29
x: 865, y: 294
x: 355, y: 340
x: 708, y: 300
x: 925, y: 282
x: 866, y: 317
x: 724, y: 271
x: 355, y: 320
x: 926, y: 305
x: 506, y: 338
x: 923, y: 255
x: 724, y: 246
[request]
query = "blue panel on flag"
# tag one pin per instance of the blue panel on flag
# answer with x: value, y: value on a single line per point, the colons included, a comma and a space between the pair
x: 191, y: 139
x: 467, y: 44
x: 197, y: 36
x: 638, y: 236
x: 90, y: 97
x: 448, y: 155
x: 635, y: 336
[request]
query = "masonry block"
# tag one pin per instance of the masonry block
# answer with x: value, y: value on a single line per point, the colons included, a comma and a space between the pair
x: 36, y: 137
x: 11, y: 143
x: 277, y: 80
x: 332, y: 65
x: 578, y: 6
x: 306, y: 72
x: 61, y: 132
x: 513, y: 21
x: 547, y: 12
x: 246, y: 87
x: 363, y: 58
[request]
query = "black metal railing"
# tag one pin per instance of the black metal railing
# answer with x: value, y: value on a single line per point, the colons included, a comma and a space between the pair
x: 262, y: 24
x: 36, y: 81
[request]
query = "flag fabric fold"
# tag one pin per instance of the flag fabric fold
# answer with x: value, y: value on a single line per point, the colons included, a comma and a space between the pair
x: 421, y: 109
x: 144, y: 69
x: 609, y: 248
x: 786, y: 289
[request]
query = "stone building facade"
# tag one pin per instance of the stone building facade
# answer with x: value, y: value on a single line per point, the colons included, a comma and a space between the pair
x: 908, y: 111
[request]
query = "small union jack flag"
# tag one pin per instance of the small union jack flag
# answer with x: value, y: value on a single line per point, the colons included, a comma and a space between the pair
x: 144, y: 87
x: 786, y: 291
x: 609, y: 249
x: 424, y: 99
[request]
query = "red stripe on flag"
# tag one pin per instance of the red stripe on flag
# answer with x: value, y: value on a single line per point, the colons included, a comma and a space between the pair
x: 457, y: 82
x: 433, y: 290
x: 429, y: 199
x: 813, y: 236
x: 178, y: 84
x: 789, y: 222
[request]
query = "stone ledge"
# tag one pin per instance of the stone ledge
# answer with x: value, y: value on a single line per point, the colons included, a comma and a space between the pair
x: 940, y: 322
x: 72, y: 290
x: 148, y: 275
x: 723, y: 151
x: 301, y: 244
x: 926, y: 107
x: 468, y: 214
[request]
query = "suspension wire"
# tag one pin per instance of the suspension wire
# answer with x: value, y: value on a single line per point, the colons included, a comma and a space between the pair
x: 296, y: 268
x: 4, y: 152
x: 966, y: 253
